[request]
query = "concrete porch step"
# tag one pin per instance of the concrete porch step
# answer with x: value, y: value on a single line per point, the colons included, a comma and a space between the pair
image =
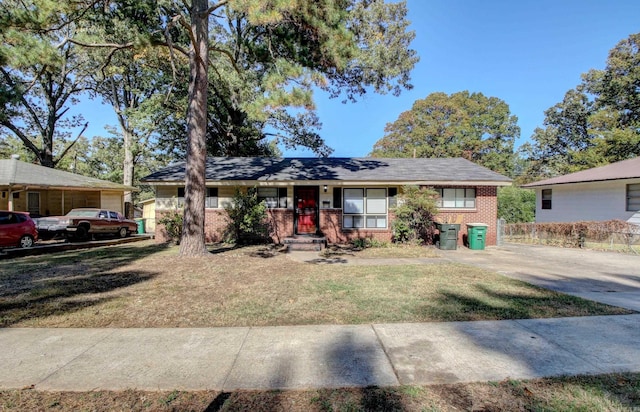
x: 310, y: 242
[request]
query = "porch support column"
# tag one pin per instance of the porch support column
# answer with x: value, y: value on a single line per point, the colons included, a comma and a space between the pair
x: 10, y: 200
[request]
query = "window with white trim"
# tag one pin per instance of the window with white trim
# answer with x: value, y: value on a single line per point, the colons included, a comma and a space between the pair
x: 364, y: 208
x: 274, y: 197
x: 633, y: 197
x: 211, y: 201
x: 456, y: 198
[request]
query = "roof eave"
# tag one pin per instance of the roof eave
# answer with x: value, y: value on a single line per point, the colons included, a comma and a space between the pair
x: 78, y: 188
x: 339, y: 182
x: 542, y: 183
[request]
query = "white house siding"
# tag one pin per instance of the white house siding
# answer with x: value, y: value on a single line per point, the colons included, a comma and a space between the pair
x: 589, y: 201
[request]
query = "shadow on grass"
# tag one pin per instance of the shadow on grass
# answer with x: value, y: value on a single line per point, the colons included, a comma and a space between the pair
x: 45, y: 286
x: 265, y: 251
x: 371, y: 399
x: 483, y: 303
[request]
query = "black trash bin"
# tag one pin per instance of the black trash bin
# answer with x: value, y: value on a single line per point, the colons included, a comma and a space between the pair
x: 448, y: 235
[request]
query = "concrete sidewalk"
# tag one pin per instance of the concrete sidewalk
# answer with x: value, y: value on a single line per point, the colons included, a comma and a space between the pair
x: 303, y: 357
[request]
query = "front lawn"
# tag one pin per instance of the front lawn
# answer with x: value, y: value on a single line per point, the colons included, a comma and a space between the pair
x: 147, y: 285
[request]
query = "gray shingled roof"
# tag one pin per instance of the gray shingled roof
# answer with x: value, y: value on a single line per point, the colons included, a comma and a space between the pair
x: 626, y: 169
x: 13, y: 172
x: 327, y: 169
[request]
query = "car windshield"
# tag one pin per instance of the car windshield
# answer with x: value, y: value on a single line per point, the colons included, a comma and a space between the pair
x: 82, y: 213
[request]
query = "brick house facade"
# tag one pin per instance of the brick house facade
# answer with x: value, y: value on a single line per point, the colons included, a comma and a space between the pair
x: 347, y: 198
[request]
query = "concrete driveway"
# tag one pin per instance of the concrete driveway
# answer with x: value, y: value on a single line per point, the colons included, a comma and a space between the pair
x: 607, y: 277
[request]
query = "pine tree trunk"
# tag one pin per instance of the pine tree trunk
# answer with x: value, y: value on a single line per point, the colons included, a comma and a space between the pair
x: 192, y: 243
x: 128, y: 168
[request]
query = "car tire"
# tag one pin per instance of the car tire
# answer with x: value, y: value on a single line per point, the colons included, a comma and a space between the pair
x: 26, y: 241
x: 81, y: 234
x: 123, y: 232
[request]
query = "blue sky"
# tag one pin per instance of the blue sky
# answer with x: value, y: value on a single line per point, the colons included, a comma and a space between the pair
x: 527, y: 53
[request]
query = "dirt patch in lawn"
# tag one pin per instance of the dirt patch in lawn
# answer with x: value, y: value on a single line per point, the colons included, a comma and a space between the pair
x: 148, y: 285
x: 614, y: 392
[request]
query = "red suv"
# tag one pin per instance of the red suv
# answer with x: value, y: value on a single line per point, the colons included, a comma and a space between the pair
x: 17, y: 229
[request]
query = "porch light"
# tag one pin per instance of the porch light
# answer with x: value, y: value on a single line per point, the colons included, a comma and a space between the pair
x: 325, y: 188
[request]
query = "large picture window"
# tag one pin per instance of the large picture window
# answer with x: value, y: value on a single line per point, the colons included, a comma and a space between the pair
x: 274, y: 197
x: 456, y: 198
x: 364, y: 208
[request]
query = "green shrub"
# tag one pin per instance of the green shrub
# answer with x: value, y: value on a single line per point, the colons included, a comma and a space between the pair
x: 247, y: 219
x: 414, y: 215
x: 172, y: 223
x: 364, y: 243
x: 516, y: 205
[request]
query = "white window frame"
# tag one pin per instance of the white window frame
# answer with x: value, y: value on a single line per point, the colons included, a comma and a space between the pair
x: 367, y: 211
x: 457, y: 197
x: 210, y: 202
x: 273, y: 202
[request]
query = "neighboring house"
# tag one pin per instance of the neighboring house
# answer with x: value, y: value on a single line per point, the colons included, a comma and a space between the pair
x: 339, y: 198
x: 149, y: 215
x: 43, y: 191
x: 602, y: 193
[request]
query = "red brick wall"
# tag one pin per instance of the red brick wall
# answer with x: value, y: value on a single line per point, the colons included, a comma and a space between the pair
x: 331, y: 227
x: 331, y: 222
x: 486, y: 212
x: 215, y: 222
x: 281, y: 224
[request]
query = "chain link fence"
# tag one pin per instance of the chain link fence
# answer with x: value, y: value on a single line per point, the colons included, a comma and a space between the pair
x: 608, y: 235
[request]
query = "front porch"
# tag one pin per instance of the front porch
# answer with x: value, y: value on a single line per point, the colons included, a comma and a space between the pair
x: 305, y: 242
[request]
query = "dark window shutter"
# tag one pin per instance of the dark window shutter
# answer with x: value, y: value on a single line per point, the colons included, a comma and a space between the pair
x: 181, y: 192
x: 282, y: 196
x: 337, y: 197
x: 393, y: 196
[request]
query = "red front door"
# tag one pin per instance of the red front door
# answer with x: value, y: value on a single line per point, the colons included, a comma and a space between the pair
x: 306, y: 210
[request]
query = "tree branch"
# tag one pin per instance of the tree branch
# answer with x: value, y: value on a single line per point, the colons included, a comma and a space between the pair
x: 229, y: 55
x: 64, y: 152
x: 216, y: 6
x: 27, y: 142
x: 118, y: 46
x: 24, y: 102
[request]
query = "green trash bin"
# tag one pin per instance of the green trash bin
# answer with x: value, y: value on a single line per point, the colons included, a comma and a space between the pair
x: 140, y: 223
x: 476, y: 235
x: 448, y: 235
